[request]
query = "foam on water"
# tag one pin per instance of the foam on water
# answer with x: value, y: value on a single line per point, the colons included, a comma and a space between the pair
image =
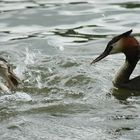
x: 17, y: 97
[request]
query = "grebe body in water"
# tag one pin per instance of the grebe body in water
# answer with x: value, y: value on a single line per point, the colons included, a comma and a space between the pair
x: 127, y: 44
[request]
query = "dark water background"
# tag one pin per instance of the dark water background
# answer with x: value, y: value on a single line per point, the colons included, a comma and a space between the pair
x: 50, y: 44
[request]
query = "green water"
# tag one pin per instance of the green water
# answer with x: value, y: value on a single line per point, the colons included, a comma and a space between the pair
x: 50, y: 45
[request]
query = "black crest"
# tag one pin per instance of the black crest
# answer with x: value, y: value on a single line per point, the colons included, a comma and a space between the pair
x: 126, y: 33
x: 116, y: 38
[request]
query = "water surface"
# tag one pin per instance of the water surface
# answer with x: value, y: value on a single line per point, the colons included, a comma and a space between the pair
x: 50, y: 45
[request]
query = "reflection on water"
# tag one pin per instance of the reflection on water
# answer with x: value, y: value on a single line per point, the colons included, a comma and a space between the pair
x: 50, y: 45
x: 130, y: 5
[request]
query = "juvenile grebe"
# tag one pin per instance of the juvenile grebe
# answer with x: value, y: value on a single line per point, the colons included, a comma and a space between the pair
x: 127, y: 44
x: 6, y: 72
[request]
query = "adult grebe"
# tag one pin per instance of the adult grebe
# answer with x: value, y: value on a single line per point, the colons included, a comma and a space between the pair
x: 127, y: 44
x: 6, y: 72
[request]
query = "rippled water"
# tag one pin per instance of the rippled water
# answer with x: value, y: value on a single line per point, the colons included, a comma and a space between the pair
x: 50, y: 45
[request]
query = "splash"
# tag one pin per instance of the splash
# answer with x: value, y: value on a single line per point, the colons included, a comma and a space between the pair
x: 23, y: 69
x: 38, y: 80
x: 30, y: 57
x: 56, y: 42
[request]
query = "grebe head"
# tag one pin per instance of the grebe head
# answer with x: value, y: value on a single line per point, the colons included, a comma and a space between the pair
x: 124, y: 43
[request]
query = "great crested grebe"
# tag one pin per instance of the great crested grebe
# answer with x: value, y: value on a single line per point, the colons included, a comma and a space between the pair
x: 6, y: 72
x: 127, y: 44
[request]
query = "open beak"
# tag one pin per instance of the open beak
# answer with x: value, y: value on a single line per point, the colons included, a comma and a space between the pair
x: 100, y: 57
